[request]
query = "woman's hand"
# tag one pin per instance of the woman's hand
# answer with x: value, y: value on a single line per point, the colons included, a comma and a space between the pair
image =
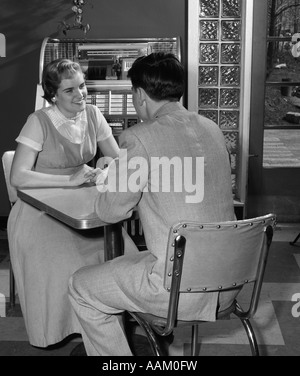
x: 86, y: 174
x: 100, y: 175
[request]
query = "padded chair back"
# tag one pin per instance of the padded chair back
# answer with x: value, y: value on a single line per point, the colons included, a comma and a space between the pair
x: 206, y: 257
x: 220, y: 256
x: 7, y: 159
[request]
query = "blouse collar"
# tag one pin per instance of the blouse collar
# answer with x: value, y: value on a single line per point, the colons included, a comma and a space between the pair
x: 72, y: 129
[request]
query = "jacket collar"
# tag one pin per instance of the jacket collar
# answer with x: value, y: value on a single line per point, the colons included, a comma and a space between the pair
x: 168, y: 108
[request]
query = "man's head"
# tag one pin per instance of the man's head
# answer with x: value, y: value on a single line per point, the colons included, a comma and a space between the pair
x: 160, y: 74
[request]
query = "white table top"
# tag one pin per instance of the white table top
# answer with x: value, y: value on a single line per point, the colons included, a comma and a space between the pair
x: 71, y: 205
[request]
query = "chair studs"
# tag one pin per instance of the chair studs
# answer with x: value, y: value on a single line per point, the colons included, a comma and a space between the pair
x: 175, y: 231
x: 234, y: 284
x: 189, y: 289
x: 169, y: 274
x: 184, y: 225
x: 204, y: 289
x: 220, y: 287
x: 177, y: 274
x: 246, y: 281
x: 172, y: 259
x: 201, y: 227
x: 218, y: 226
x: 235, y: 226
x: 168, y: 289
x: 250, y: 224
x: 173, y: 244
x: 179, y: 254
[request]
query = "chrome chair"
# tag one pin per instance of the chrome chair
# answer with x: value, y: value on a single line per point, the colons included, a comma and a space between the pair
x: 7, y: 159
x: 133, y: 226
x: 295, y: 240
x: 206, y: 257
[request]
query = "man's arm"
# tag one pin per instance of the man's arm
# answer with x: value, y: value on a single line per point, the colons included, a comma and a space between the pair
x: 126, y: 179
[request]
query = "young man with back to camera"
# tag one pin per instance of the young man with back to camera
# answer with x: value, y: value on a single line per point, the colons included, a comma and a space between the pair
x: 168, y: 135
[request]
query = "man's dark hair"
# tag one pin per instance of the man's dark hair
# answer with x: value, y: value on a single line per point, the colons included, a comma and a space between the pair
x: 160, y: 74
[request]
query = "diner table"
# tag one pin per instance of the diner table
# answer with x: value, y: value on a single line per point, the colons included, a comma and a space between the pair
x: 74, y: 206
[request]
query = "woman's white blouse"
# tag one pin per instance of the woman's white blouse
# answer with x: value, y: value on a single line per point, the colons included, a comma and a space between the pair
x: 72, y: 129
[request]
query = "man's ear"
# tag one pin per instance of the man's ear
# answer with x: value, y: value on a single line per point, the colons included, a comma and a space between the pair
x: 141, y: 94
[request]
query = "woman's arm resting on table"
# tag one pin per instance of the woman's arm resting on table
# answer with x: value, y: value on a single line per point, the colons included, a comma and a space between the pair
x: 23, y: 176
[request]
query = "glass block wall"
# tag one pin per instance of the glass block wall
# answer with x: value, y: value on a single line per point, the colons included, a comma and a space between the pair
x: 219, y: 76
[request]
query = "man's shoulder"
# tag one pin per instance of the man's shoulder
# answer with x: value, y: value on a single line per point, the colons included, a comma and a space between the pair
x: 138, y: 135
x: 138, y: 130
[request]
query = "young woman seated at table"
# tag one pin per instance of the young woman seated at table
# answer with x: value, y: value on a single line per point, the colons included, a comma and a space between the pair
x: 53, y: 150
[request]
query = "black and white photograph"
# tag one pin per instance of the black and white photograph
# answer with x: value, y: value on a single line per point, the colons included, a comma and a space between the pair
x: 150, y: 183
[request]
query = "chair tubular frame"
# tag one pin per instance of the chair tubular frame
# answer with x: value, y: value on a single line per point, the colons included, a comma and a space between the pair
x: 8, y: 155
x: 295, y: 240
x: 163, y: 327
x: 12, y: 284
x: 152, y: 330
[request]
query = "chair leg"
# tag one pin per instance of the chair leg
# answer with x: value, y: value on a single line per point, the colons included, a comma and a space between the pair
x: 12, y: 289
x: 249, y: 330
x: 251, y: 336
x: 194, y: 340
x: 151, y: 336
x: 295, y: 240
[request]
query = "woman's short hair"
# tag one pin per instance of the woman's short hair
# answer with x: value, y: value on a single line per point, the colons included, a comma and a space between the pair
x: 160, y: 74
x: 54, y: 72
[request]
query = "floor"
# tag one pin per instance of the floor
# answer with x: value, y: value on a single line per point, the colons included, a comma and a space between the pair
x: 281, y: 148
x: 277, y: 321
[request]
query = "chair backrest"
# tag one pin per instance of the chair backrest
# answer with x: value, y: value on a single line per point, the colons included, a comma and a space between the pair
x: 7, y: 159
x: 219, y: 256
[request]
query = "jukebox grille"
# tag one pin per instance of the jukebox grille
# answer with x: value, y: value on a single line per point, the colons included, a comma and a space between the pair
x: 112, y: 103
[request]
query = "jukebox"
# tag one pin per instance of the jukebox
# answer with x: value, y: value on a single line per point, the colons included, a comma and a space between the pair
x: 105, y: 64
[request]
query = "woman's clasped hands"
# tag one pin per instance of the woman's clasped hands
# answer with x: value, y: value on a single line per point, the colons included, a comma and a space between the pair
x: 87, y: 174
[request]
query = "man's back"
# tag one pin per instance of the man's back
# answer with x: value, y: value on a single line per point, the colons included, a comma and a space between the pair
x: 188, y: 175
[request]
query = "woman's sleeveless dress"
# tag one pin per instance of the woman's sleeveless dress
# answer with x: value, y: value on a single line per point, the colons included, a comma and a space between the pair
x: 44, y: 252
